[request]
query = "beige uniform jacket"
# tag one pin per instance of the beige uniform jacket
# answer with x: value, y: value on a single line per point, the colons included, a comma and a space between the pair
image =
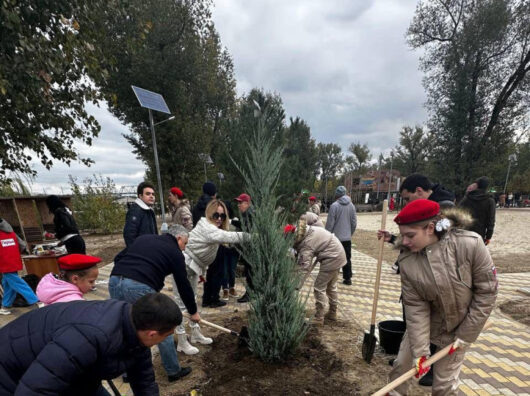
x: 322, y: 244
x: 449, y: 290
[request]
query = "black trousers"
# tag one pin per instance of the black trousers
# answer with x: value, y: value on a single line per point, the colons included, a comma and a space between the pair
x: 346, y: 270
x: 75, y: 244
x: 214, y: 277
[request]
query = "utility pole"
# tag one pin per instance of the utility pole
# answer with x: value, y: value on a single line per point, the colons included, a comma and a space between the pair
x: 390, y: 178
x: 511, y: 158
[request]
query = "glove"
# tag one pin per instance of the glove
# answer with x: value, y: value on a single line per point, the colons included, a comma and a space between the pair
x: 487, y: 242
x: 458, y: 344
x: 421, y: 370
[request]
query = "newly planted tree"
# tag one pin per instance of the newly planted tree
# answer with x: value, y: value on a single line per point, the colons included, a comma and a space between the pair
x: 277, y: 310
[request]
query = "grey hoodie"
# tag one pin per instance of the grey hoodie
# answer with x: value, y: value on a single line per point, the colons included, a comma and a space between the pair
x: 342, y: 219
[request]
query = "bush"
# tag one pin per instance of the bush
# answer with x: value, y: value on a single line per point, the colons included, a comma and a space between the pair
x: 277, y: 310
x: 95, y: 205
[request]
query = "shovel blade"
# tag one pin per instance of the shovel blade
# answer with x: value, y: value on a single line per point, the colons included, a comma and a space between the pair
x: 369, y: 343
x: 244, y: 337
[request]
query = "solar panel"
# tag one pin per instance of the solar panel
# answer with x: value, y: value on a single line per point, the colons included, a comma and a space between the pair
x: 150, y: 100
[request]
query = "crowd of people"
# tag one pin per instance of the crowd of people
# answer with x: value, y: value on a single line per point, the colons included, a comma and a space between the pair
x: 449, y: 286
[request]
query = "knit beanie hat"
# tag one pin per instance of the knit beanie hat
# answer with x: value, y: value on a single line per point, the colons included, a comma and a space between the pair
x: 209, y: 188
x: 482, y: 182
x: 340, y: 191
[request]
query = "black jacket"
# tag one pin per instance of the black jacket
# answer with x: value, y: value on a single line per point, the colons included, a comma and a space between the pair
x: 150, y: 259
x: 444, y: 197
x: 64, y: 223
x: 482, y: 208
x: 138, y: 222
x: 200, y: 208
x: 68, y: 348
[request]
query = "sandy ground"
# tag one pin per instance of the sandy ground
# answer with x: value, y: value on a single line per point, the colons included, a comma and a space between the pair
x: 509, y: 246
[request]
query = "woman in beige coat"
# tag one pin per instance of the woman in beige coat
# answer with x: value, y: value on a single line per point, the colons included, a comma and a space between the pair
x: 316, y: 242
x: 449, y: 289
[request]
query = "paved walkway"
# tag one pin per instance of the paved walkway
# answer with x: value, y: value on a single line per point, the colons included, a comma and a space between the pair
x: 497, y: 364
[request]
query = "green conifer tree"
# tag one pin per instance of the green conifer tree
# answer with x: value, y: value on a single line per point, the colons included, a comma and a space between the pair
x: 277, y: 310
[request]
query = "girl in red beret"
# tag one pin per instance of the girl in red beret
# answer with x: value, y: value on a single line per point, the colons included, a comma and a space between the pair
x: 78, y: 274
x: 449, y: 287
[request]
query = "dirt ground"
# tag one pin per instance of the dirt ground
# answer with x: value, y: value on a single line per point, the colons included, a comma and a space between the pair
x: 329, y: 361
x: 518, y: 309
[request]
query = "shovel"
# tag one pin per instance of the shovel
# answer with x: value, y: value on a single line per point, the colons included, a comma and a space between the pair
x: 242, y: 335
x: 429, y: 362
x: 369, y: 340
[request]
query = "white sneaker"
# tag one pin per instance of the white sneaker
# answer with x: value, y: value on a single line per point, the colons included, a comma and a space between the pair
x: 196, y: 336
x: 395, y: 268
x: 184, y: 346
x: 4, y: 311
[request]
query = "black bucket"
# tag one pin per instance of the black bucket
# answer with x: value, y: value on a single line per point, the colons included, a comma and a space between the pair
x: 390, y: 335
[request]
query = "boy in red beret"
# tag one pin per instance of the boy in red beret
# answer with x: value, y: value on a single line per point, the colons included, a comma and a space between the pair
x: 314, y: 206
x: 78, y: 274
x: 449, y: 289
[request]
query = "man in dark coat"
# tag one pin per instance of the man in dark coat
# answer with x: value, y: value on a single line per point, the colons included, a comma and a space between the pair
x: 140, y: 218
x: 482, y: 208
x: 209, y: 191
x: 141, y: 269
x: 417, y: 186
x: 69, y: 348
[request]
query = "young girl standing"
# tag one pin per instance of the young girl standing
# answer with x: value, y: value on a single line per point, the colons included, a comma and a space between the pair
x: 449, y: 286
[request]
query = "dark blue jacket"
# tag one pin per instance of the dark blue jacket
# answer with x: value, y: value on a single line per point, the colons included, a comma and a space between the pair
x: 138, y: 222
x: 150, y: 259
x: 68, y: 348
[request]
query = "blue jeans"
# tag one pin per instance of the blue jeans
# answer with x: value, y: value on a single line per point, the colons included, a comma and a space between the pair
x: 13, y: 284
x: 129, y: 290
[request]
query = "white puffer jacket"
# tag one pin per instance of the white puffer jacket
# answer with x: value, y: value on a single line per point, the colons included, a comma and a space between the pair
x: 203, y: 243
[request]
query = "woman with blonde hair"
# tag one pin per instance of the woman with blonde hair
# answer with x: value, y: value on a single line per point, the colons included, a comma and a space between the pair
x: 204, y: 240
x: 449, y: 286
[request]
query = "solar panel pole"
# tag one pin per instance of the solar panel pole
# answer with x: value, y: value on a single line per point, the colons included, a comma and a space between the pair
x: 157, y: 166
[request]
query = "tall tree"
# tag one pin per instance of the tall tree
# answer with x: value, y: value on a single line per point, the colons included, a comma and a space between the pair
x: 329, y: 163
x: 180, y: 57
x: 476, y: 60
x: 361, y: 156
x: 233, y: 139
x: 48, y: 48
x: 300, y: 158
x: 412, y: 151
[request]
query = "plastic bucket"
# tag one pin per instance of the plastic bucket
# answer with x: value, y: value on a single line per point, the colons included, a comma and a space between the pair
x: 390, y: 335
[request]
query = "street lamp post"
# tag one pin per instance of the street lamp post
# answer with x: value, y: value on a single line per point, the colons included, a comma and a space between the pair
x: 511, y: 158
x: 390, y: 179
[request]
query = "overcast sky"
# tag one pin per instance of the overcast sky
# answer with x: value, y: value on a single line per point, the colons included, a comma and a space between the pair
x: 341, y: 65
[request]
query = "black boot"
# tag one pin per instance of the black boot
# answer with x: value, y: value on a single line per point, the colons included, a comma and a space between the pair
x: 184, y: 371
x: 244, y: 299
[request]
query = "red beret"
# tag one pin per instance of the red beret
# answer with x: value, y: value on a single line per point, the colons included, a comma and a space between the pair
x: 289, y: 228
x: 417, y: 210
x: 73, y: 262
x: 312, y: 199
x: 177, y: 191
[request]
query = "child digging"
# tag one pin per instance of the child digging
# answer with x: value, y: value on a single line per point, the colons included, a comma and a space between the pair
x: 78, y: 274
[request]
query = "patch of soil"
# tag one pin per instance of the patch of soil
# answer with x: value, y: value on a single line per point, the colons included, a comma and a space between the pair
x: 312, y: 370
x: 516, y: 262
x: 366, y: 242
x: 104, y: 246
x: 518, y: 309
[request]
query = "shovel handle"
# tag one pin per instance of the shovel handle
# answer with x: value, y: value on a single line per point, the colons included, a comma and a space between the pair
x: 379, y: 263
x: 429, y: 362
x: 212, y: 325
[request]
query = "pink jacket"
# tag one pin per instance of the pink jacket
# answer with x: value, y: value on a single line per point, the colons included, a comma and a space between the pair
x: 52, y: 290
